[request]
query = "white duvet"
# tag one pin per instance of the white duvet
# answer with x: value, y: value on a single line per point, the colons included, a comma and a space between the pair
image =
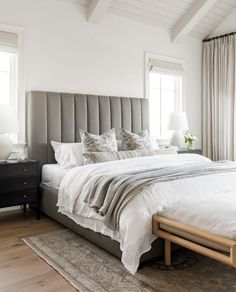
x: 135, y: 233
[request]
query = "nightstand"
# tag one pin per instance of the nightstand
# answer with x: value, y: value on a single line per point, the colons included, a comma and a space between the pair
x: 191, y: 151
x: 19, y: 184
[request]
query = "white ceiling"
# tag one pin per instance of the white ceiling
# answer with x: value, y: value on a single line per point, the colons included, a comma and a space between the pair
x: 170, y: 14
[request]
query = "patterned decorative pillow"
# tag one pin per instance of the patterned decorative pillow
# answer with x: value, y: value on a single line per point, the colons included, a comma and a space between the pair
x: 99, y: 143
x: 98, y: 157
x: 131, y: 141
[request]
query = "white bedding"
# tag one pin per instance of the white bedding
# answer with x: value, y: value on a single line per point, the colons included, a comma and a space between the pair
x: 52, y: 174
x: 135, y: 233
x: 215, y: 213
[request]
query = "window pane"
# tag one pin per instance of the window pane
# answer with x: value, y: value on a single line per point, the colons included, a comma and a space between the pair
x: 154, y: 80
x: 168, y: 82
x: 4, y: 61
x: 4, y: 88
x: 164, y: 124
x: 168, y: 101
x: 165, y: 93
x: 155, y: 124
x: 154, y: 99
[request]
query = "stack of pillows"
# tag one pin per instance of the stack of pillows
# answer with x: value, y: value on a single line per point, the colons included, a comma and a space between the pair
x: 105, y: 147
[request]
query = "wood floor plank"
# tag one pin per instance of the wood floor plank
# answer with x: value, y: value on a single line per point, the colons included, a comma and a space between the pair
x: 21, y: 269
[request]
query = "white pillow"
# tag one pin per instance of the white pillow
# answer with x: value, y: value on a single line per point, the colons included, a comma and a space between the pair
x: 68, y: 154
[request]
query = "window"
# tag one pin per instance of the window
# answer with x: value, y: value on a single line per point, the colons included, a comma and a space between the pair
x: 8, y: 87
x: 165, y: 82
x: 8, y: 71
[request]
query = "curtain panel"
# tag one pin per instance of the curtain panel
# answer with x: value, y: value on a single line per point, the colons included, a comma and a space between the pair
x: 219, y: 98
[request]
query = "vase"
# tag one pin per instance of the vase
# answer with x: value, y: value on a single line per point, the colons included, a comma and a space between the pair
x: 189, y: 145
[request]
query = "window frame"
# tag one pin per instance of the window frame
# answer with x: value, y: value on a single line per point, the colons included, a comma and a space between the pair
x: 147, y: 58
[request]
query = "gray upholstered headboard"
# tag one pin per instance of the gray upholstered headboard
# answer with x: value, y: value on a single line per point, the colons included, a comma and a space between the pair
x: 58, y: 116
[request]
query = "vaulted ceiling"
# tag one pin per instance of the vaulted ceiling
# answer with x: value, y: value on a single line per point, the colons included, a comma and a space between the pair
x: 198, y: 18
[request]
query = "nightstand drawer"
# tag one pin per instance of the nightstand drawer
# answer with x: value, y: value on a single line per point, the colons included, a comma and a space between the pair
x: 18, y: 198
x: 21, y: 169
x: 18, y: 184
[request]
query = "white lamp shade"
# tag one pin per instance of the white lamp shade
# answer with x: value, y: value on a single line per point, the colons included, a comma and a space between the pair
x: 8, y: 120
x: 178, y: 121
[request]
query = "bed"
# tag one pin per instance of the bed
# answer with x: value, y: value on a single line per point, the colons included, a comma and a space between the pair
x: 58, y: 116
x: 175, y: 178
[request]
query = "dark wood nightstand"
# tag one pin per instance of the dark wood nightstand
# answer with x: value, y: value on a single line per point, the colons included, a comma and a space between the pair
x: 19, y: 184
x: 191, y: 151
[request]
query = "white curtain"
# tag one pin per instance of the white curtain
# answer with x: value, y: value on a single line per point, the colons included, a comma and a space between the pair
x: 219, y: 98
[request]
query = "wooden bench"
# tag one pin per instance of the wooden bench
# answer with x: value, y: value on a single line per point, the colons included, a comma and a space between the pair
x: 158, y: 228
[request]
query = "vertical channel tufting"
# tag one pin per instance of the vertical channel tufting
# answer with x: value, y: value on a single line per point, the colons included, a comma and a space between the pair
x: 68, y: 126
x: 36, y: 115
x: 116, y: 113
x: 145, y: 114
x: 104, y: 114
x: 93, y: 114
x: 53, y: 121
x: 58, y: 116
x: 126, y: 113
x: 81, y: 114
x: 74, y: 123
x: 136, y: 115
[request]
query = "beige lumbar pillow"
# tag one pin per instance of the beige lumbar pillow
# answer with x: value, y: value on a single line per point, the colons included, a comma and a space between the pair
x: 99, y: 157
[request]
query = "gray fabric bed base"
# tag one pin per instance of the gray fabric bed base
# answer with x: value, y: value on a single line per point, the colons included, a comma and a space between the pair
x: 48, y: 207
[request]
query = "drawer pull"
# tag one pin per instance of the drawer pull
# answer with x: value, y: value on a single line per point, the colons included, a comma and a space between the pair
x: 25, y: 169
x: 25, y: 183
x: 25, y: 196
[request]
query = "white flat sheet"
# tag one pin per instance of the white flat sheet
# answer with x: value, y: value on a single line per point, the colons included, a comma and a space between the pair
x: 52, y: 174
x: 135, y: 234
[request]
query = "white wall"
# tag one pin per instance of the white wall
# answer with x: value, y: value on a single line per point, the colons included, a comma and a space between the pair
x: 227, y: 26
x: 63, y: 52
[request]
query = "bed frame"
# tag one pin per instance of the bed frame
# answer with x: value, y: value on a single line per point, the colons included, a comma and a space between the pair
x: 59, y: 116
x: 194, y: 239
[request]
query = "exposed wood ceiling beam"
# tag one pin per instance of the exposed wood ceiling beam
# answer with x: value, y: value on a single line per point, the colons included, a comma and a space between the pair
x: 97, y: 10
x: 191, y: 18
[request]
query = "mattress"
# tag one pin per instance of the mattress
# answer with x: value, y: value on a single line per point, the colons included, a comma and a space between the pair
x: 52, y: 175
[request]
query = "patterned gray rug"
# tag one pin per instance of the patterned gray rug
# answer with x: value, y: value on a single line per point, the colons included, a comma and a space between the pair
x: 89, y: 268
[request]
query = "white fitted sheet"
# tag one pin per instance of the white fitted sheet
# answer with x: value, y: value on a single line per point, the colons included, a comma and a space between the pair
x: 52, y: 174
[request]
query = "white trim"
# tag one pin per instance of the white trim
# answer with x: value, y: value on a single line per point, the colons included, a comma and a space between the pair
x: 20, y: 74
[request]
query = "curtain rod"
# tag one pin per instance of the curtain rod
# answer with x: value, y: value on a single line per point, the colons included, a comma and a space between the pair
x: 218, y: 37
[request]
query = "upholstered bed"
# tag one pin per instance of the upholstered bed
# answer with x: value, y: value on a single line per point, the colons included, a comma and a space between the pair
x: 58, y: 116
x: 119, y: 197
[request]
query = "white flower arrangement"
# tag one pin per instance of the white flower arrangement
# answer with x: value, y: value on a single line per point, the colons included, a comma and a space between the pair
x: 189, y: 139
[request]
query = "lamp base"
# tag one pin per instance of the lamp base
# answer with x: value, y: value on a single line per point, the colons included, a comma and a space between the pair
x: 177, y: 139
x: 5, y: 147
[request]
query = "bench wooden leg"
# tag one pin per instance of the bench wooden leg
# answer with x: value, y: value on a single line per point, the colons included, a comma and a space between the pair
x: 167, y: 252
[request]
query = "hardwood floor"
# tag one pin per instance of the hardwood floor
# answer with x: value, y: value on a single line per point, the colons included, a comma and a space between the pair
x: 21, y: 269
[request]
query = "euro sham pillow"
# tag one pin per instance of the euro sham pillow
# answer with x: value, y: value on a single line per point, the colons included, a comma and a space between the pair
x: 132, y: 141
x: 99, y: 143
x: 99, y: 157
x: 68, y: 154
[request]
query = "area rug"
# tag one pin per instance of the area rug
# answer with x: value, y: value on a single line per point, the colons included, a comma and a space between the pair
x: 89, y: 268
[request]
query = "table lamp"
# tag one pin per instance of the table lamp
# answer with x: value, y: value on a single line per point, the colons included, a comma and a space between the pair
x: 8, y: 125
x: 178, y: 123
